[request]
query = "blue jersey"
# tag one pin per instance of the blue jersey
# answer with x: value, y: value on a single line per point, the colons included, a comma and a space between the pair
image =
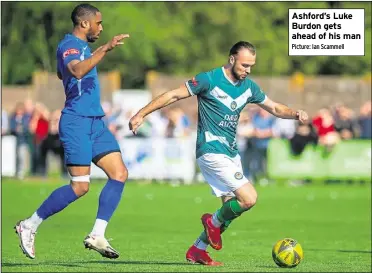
x: 82, y: 96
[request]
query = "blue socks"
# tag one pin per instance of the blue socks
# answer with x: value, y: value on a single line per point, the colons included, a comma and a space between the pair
x: 109, y: 199
x: 60, y: 198
x: 57, y: 201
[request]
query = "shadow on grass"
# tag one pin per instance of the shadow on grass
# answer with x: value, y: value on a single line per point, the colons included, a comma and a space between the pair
x: 73, y: 264
x: 341, y: 250
x: 80, y: 263
x: 269, y: 266
x: 135, y: 262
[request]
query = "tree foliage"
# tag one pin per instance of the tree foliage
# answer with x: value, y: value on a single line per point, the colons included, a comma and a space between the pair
x: 171, y: 37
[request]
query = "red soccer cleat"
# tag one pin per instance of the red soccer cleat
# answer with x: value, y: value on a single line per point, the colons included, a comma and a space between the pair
x: 213, y: 233
x: 196, y: 255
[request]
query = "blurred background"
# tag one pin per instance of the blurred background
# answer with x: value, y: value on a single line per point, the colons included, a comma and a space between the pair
x: 169, y: 43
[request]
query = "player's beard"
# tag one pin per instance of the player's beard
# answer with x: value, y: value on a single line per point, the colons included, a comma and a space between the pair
x: 91, y: 38
x: 234, y: 73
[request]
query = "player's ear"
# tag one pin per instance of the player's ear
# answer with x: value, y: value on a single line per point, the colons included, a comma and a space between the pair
x: 85, y: 24
x: 231, y: 59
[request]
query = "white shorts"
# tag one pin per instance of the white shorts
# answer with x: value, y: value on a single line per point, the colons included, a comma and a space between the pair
x: 224, y: 174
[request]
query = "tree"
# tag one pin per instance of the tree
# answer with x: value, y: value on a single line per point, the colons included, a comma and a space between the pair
x: 171, y: 37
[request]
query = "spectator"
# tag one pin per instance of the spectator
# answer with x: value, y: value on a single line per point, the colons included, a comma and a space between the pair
x: 284, y: 128
x: 335, y: 108
x: 365, y: 121
x: 29, y: 107
x: 29, y: 110
x: 263, y: 123
x: 122, y: 130
x: 4, y: 122
x: 178, y: 124
x: 111, y: 114
x: 345, y: 125
x: 245, y: 132
x: 305, y: 134
x: 324, y: 125
x: 39, y: 130
x: 19, y: 128
x: 159, y: 123
x: 52, y: 143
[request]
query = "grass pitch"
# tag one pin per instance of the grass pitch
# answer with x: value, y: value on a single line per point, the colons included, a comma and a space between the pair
x: 156, y: 223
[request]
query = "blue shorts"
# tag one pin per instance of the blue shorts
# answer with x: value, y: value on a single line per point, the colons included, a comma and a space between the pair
x: 85, y: 139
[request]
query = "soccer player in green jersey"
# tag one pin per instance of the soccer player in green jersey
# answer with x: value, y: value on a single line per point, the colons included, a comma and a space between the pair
x: 222, y: 94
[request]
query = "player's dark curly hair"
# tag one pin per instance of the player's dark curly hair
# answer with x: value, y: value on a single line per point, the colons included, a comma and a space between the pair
x: 242, y: 44
x: 82, y: 10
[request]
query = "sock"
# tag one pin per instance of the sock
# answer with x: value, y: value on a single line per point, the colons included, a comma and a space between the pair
x: 225, y: 225
x: 229, y: 210
x: 34, y: 221
x: 203, y: 237
x: 201, y: 242
x: 215, y: 221
x: 57, y: 201
x: 99, y: 228
x: 109, y: 199
x: 221, y: 218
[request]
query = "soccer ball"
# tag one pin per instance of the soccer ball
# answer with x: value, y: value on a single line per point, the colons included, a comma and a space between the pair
x: 287, y: 253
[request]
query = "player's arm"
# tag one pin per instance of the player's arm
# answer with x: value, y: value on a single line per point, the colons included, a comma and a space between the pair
x: 195, y: 86
x: 165, y: 99
x: 80, y: 68
x: 282, y: 111
x: 277, y: 109
x: 159, y: 102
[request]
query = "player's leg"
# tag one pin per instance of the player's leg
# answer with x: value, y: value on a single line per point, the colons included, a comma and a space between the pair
x: 225, y: 224
x: 218, y: 223
x: 208, y: 164
x: 78, y: 157
x: 107, y: 156
x: 202, y: 241
x: 112, y: 164
x: 245, y: 196
x: 197, y: 252
x: 245, y: 199
x: 225, y: 176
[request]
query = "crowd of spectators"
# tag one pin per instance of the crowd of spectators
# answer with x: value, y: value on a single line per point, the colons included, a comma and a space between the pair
x: 326, y: 128
x: 36, y: 130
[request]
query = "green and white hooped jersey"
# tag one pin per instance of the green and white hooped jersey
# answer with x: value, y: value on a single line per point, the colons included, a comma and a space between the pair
x: 220, y: 102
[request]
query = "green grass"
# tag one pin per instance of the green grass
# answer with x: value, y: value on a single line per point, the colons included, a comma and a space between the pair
x: 155, y: 224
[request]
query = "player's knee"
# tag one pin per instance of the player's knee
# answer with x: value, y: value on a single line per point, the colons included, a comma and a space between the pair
x: 249, y: 201
x: 80, y: 188
x: 120, y: 174
x: 247, y: 204
x: 80, y: 184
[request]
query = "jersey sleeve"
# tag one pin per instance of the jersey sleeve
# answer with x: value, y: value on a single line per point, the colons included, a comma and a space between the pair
x: 198, y: 84
x: 258, y: 96
x: 70, y: 51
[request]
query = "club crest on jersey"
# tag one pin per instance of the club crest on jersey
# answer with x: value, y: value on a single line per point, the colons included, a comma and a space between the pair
x: 233, y: 105
x: 238, y: 175
x: 70, y: 51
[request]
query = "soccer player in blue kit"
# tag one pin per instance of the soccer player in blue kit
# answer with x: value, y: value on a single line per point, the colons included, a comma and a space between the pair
x: 84, y: 136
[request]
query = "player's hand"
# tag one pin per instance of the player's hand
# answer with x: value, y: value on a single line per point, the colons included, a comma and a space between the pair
x: 302, y: 116
x: 117, y: 40
x: 135, y: 122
